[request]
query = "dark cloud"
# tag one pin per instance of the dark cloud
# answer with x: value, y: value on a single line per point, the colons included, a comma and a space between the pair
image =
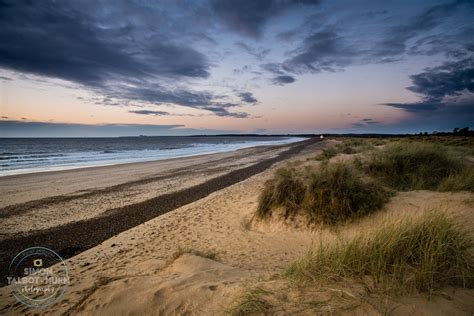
x: 321, y: 51
x: 331, y: 45
x: 223, y: 112
x: 247, y: 97
x: 197, y: 100
x: 282, y: 77
x: 248, y: 17
x: 435, y: 85
x: 397, y: 36
x: 416, y: 107
x: 366, y: 122
x: 449, y: 79
x: 447, y: 92
x: 369, y: 121
x: 56, y: 40
x: 129, y: 59
x: 282, y: 80
x: 149, y: 112
x: 5, y: 78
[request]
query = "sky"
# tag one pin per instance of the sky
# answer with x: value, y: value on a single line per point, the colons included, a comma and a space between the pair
x: 181, y: 67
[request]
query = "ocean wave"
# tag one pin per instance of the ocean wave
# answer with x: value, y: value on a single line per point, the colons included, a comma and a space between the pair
x: 30, y: 163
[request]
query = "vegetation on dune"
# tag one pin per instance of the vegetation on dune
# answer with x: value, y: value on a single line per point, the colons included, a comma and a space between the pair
x: 252, y: 302
x: 414, y: 166
x: 284, y: 190
x: 337, y: 193
x: 424, y: 254
x: 461, y: 181
x: 327, y: 153
x: 456, y: 141
x: 333, y: 194
x: 348, y: 146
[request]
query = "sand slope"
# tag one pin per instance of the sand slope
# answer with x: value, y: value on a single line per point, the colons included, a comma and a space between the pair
x: 190, y: 284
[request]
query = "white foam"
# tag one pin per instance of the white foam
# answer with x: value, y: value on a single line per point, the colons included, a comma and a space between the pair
x: 95, y: 159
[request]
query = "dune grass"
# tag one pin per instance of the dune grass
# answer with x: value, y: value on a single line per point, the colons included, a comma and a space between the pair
x: 337, y: 193
x: 414, y: 165
x: 348, y: 146
x: 333, y: 194
x: 456, y: 141
x: 461, y: 181
x: 327, y: 153
x: 252, y: 302
x: 284, y: 190
x: 421, y: 254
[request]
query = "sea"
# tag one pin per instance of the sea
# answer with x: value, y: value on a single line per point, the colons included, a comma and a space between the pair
x: 30, y: 155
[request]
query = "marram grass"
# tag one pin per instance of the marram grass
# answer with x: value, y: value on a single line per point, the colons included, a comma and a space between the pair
x: 420, y: 254
x: 333, y: 194
x: 337, y: 193
x: 252, y: 302
x: 414, y: 165
x: 284, y: 190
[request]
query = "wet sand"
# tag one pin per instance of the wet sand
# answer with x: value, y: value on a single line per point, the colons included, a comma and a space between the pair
x: 45, y: 221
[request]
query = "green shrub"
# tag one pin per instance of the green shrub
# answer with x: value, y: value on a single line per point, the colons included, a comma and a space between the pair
x: 424, y: 254
x: 413, y: 166
x: 337, y: 193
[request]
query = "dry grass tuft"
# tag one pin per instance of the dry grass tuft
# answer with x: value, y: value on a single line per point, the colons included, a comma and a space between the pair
x: 423, y: 254
x: 414, y: 166
x: 252, y: 302
x: 333, y: 194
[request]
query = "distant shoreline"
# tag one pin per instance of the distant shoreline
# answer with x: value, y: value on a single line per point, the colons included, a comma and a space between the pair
x: 19, y: 161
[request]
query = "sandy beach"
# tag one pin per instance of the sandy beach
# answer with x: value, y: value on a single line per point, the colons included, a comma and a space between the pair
x: 74, y: 210
x: 158, y: 267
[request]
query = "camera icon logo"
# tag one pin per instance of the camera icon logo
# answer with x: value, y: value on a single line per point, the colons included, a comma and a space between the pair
x: 38, y: 263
